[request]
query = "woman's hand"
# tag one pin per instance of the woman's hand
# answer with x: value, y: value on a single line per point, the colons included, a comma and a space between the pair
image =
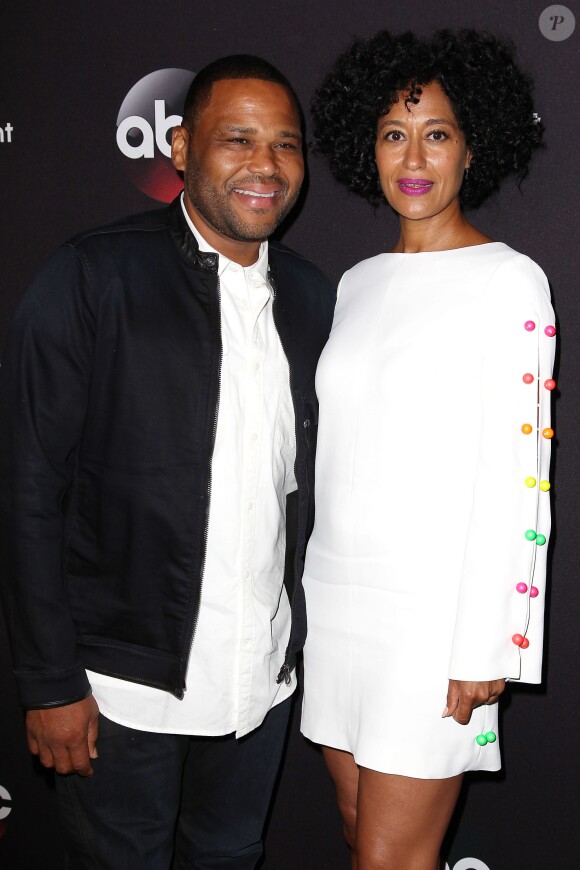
x: 463, y: 697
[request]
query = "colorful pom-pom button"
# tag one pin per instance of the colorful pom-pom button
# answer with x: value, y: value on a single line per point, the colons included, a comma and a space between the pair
x: 550, y: 384
x: 527, y: 429
x: 530, y: 535
x: 490, y: 736
x: 518, y: 639
x: 525, y: 643
x: 528, y: 378
x: 522, y: 588
x: 545, y: 485
x: 550, y: 330
x: 534, y: 592
x: 481, y: 740
x: 530, y: 481
x: 529, y: 325
x: 548, y: 433
x: 540, y: 540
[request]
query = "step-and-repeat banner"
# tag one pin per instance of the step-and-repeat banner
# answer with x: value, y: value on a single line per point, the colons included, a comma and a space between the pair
x: 89, y: 94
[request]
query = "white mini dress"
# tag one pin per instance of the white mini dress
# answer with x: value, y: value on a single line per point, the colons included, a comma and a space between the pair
x: 428, y: 556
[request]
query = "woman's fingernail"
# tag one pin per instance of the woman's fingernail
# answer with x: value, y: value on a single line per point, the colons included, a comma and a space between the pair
x: 445, y: 712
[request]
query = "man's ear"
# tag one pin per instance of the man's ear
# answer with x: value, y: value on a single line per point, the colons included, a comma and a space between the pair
x: 179, y: 144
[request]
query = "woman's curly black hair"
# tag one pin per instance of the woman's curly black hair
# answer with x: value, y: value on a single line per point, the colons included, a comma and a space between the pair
x: 490, y: 95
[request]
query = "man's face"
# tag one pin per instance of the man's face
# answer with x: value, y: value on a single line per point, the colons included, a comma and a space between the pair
x: 242, y: 162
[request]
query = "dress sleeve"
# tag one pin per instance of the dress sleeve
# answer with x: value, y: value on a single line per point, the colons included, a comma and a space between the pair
x: 500, y: 611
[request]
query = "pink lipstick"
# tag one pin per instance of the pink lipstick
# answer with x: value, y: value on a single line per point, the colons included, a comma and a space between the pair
x: 414, y: 186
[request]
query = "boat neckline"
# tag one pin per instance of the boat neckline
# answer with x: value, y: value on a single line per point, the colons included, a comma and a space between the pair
x: 443, y: 251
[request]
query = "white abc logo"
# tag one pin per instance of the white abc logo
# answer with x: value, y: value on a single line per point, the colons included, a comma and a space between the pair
x: 149, y: 111
x: 4, y: 796
x: 146, y: 148
x: 468, y: 864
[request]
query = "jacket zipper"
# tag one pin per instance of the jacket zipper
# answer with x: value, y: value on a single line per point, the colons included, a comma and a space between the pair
x: 285, y: 672
x: 180, y: 693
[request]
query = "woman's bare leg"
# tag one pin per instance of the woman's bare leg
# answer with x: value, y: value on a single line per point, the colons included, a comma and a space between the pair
x: 343, y: 770
x: 400, y: 821
x: 391, y: 822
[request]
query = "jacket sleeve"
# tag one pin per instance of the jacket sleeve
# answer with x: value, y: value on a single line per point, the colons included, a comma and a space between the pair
x: 499, y: 620
x: 44, y: 385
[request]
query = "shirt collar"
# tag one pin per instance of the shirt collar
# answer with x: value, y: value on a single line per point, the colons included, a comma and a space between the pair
x: 260, y: 266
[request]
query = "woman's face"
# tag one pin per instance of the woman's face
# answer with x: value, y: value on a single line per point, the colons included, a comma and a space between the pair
x: 421, y: 155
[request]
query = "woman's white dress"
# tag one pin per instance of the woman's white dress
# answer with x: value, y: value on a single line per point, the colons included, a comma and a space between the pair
x: 419, y: 569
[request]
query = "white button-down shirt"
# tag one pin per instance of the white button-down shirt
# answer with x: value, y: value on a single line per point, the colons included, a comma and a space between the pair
x: 244, y: 617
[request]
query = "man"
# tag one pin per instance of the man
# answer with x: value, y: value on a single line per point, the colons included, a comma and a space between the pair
x: 158, y: 401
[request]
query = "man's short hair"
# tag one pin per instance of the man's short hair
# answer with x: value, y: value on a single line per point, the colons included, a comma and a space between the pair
x: 235, y: 66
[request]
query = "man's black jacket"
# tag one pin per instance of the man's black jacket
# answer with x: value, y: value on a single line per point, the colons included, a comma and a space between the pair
x: 109, y: 394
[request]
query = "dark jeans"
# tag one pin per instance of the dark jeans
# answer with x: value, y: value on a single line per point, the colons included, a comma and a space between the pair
x: 161, y: 801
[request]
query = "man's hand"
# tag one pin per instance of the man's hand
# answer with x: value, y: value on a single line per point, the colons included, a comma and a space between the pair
x: 65, y: 737
x: 463, y: 697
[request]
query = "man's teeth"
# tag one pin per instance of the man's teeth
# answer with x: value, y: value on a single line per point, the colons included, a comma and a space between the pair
x: 255, y: 193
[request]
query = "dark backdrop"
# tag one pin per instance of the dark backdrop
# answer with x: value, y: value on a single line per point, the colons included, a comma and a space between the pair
x: 67, y: 66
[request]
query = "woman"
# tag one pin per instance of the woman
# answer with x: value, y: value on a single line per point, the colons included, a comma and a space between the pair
x: 425, y: 572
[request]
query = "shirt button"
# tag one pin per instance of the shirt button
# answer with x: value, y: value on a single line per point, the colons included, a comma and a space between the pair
x: 254, y: 436
x: 245, y: 574
x: 250, y: 506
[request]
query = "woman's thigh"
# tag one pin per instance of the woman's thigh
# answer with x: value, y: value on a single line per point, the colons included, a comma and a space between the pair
x: 401, y: 821
x: 343, y: 771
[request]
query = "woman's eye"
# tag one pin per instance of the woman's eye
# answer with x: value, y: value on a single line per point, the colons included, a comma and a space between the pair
x: 437, y: 135
x: 393, y: 136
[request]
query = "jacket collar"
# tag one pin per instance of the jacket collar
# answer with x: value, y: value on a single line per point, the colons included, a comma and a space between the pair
x: 187, y: 245
x: 186, y: 242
